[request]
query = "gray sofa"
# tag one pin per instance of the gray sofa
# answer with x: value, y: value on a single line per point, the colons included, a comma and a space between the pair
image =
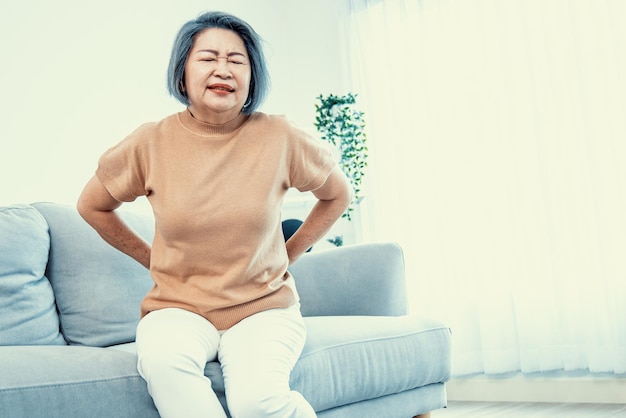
x: 69, y: 306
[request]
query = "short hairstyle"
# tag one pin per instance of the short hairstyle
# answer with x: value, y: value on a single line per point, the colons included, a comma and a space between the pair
x: 259, y: 81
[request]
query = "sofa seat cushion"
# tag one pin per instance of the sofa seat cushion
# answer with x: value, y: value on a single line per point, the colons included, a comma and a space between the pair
x: 27, y: 307
x: 350, y: 359
x: 72, y: 381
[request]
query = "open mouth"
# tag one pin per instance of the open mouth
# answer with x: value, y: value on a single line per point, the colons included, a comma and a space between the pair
x: 221, y: 88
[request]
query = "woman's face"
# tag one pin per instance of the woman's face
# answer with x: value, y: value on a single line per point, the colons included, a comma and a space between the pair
x: 217, y: 76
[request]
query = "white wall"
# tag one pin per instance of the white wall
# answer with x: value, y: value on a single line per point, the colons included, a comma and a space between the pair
x: 77, y: 76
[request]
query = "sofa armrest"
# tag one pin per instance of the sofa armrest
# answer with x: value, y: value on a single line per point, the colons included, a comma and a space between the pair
x: 363, y: 279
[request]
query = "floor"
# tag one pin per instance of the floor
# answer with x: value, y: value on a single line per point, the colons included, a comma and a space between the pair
x: 457, y: 409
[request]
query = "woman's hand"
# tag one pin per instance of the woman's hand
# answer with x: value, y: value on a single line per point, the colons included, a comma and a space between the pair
x: 334, y: 197
x: 97, y: 207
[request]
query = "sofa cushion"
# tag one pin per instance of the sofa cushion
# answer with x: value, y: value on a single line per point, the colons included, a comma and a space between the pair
x: 71, y: 381
x: 98, y: 289
x: 372, y: 274
x: 353, y: 358
x: 27, y: 310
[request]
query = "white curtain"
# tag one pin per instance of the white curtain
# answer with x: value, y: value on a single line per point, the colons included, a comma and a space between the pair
x: 497, y: 135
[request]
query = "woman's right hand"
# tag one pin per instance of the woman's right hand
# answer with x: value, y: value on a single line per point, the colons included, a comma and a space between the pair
x: 97, y: 207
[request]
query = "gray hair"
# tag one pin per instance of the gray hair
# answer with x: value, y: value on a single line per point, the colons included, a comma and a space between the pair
x: 260, y: 80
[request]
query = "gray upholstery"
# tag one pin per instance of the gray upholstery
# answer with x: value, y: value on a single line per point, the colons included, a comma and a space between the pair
x: 364, y: 357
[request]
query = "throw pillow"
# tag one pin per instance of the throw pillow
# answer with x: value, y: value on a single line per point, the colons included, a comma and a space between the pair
x: 28, y: 313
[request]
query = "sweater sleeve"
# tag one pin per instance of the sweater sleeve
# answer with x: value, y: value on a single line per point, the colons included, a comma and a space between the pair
x: 122, y: 168
x: 311, y: 161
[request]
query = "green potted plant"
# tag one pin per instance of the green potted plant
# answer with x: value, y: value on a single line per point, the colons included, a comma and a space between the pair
x: 341, y: 123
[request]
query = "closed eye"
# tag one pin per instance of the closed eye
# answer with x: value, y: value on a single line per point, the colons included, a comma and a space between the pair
x: 233, y: 58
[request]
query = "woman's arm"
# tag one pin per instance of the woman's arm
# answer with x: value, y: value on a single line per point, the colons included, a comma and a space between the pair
x: 334, y: 197
x: 97, y: 207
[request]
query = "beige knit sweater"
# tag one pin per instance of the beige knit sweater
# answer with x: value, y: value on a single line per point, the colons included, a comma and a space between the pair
x: 216, y: 192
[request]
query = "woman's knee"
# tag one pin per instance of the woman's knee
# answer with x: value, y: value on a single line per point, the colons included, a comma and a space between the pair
x: 165, y: 364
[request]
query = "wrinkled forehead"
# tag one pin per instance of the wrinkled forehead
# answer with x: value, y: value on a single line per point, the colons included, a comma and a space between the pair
x: 223, y: 41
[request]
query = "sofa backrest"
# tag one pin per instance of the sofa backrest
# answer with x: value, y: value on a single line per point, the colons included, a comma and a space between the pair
x: 98, y: 289
x: 363, y: 279
x: 28, y: 314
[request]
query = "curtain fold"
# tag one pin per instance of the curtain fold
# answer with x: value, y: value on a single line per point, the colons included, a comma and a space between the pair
x: 497, y: 133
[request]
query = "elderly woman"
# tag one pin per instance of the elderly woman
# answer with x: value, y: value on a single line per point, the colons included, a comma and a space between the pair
x: 215, y: 175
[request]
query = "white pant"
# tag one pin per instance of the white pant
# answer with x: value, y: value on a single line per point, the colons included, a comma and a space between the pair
x: 257, y: 356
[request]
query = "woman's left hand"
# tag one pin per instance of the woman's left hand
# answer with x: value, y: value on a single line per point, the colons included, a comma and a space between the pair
x: 334, y: 197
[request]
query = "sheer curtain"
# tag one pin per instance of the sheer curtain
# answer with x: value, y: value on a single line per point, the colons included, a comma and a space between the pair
x: 497, y: 133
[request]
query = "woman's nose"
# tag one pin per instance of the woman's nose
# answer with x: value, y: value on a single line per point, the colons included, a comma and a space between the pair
x: 221, y: 66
